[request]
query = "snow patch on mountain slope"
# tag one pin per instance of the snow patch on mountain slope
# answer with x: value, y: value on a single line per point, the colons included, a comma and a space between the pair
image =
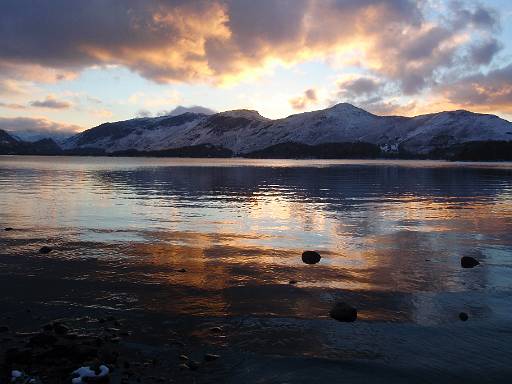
x: 244, y: 131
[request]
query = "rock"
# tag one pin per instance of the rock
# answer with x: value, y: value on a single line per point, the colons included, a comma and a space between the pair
x: 4, y: 328
x: 210, y: 357
x: 292, y: 282
x: 8, y: 229
x: 182, y: 270
x: 468, y: 262
x: 311, y: 257
x: 343, y: 312
x: 463, y: 316
x: 45, y: 249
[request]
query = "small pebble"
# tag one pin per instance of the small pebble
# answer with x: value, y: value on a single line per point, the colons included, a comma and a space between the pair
x: 463, y: 316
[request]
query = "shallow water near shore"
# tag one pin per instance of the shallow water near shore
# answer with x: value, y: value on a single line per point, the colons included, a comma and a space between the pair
x: 196, y: 242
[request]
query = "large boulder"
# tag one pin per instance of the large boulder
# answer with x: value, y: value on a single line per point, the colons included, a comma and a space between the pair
x: 468, y: 262
x: 343, y: 312
x: 311, y: 257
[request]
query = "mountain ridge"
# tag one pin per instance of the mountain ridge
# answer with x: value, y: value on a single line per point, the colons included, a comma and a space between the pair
x: 244, y: 132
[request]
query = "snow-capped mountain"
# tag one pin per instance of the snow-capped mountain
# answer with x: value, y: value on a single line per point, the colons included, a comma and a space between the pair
x: 246, y: 131
x: 10, y: 145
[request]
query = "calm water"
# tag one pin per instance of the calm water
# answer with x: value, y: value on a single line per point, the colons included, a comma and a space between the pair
x: 391, y: 234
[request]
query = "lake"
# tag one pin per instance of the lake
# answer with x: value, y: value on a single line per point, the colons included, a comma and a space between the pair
x: 197, y: 242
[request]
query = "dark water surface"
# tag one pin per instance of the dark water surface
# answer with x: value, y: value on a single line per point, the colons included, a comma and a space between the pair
x: 391, y: 234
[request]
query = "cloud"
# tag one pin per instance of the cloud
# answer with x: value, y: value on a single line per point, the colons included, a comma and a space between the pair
x: 143, y: 113
x: 302, y: 102
x: 483, y: 91
x: 226, y: 40
x: 400, y: 48
x: 40, y: 126
x: 51, y: 102
x: 483, y: 52
x: 179, y: 110
x: 360, y: 86
x: 12, y: 105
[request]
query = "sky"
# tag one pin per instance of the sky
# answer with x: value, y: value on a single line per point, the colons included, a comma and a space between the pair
x: 66, y: 66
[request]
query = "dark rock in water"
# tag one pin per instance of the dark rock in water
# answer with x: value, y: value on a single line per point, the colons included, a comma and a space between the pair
x: 181, y: 270
x: 292, y: 282
x: 343, y: 312
x: 210, y: 357
x: 463, y: 316
x: 311, y: 257
x: 468, y: 262
x: 45, y: 249
x: 8, y: 229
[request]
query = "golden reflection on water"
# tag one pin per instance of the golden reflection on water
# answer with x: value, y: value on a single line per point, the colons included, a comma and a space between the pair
x: 390, y: 235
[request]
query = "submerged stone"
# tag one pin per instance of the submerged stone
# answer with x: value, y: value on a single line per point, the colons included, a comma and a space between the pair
x: 463, y: 316
x: 8, y: 229
x: 311, y: 257
x: 468, y: 262
x: 45, y: 249
x: 210, y: 357
x: 343, y: 312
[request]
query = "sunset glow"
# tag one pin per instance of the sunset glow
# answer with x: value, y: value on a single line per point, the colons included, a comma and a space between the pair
x: 284, y: 57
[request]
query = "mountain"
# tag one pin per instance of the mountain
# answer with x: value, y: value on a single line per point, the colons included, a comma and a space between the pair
x: 33, y: 135
x: 247, y: 133
x: 10, y: 145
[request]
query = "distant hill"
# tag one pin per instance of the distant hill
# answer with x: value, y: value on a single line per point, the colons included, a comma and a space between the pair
x: 342, y: 131
x: 10, y: 145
